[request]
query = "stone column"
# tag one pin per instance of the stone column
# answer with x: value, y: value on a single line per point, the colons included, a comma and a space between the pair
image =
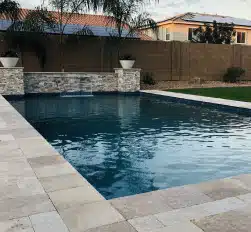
x: 128, y: 79
x: 11, y: 81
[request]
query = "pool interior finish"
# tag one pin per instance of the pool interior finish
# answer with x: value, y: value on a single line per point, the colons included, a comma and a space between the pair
x: 125, y: 145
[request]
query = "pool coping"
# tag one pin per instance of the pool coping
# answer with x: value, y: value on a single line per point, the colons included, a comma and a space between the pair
x: 41, y: 191
x: 220, y: 103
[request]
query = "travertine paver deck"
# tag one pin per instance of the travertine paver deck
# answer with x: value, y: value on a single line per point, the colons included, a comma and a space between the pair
x: 40, y: 191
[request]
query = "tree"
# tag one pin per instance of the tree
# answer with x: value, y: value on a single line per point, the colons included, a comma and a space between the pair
x: 127, y: 19
x: 65, y: 11
x: 9, y: 8
x: 218, y: 33
x: 33, y: 30
x: 32, y: 33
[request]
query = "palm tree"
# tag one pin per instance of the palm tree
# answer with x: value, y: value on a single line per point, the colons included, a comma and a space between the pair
x: 127, y: 19
x: 66, y: 9
x: 10, y: 9
x: 32, y: 32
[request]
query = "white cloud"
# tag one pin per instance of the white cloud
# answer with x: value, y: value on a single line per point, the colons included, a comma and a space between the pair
x: 29, y: 3
x: 167, y: 8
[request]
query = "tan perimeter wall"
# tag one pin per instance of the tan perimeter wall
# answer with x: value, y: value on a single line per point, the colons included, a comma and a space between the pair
x: 166, y: 60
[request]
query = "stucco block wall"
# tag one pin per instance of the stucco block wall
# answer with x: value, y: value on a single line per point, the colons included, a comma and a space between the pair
x: 11, y: 81
x: 180, y: 36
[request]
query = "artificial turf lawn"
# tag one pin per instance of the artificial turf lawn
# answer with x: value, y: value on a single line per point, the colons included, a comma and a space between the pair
x: 233, y: 93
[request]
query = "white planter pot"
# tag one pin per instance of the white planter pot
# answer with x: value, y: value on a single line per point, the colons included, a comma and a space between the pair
x: 127, y: 64
x: 9, y: 62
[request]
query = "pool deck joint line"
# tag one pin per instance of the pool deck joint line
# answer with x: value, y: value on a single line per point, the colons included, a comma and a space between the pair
x: 40, y: 191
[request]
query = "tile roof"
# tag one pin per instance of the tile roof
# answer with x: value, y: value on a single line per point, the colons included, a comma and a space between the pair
x: 81, y: 19
x: 209, y: 18
x: 100, y: 25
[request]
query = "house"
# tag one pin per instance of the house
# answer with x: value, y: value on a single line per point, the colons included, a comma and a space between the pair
x: 180, y: 27
x: 100, y: 25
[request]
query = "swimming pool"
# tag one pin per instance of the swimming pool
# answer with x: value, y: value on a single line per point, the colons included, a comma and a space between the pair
x: 125, y: 145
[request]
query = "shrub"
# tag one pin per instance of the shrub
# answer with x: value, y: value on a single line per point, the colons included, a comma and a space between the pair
x: 9, y: 53
x: 126, y: 57
x: 233, y: 74
x: 148, y: 79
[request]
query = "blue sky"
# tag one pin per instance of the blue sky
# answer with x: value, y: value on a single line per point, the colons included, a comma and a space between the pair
x: 167, y: 8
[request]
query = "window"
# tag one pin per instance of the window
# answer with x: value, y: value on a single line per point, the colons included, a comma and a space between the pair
x: 241, y: 37
x: 190, y: 34
x: 168, y: 36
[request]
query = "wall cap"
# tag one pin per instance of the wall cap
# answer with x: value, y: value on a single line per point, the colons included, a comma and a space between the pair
x: 70, y: 72
x: 131, y: 69
x: 12, y: 68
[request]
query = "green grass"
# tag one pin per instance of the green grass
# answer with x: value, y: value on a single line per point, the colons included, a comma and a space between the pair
x: 233, y: 93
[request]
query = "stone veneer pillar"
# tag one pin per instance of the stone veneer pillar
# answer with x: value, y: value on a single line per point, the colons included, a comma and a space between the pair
x: 11, y: 81
x: 128, y: 79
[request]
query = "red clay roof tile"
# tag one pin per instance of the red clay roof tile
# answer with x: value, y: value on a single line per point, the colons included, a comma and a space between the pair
x: 81, y: 19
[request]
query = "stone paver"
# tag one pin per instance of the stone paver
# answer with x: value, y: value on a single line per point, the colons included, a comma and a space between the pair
x: 146, y: 224
x: 159, y: 201
x: 6, y: 137
x: 179, y: 227
x: 2, y: 125
x: 40, y: 162
x: 24, y: 206
x: 14, y: 170
x: 233, y: 221
x: 35, y: 147
x: 246, y: 198
x: 24, y: 133
x: 184, y: 196
x: 54, y: 183
x: 200, y: 211
x: 54, y: 170
x: 8, y: 146
x: 48, y: 222
x: 220, y: 189
x: 115, y: 227
x: 16, y: 225
x: 67, y: 198
x: 33, y: 142
x: 21, y: 187
x: 10, y: 155
x: 245, y: 179
x: 88, y: 216
x: 18, y: 133
x: 141, y: 205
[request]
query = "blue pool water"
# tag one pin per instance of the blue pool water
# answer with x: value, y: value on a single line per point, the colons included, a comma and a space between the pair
x: 126, y: 145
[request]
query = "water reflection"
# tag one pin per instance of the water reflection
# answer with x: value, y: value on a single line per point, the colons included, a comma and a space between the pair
x: 130, y: 144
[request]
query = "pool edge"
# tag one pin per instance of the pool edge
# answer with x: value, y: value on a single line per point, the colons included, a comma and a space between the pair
x: 196, y: 100
x: 157, y: 204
